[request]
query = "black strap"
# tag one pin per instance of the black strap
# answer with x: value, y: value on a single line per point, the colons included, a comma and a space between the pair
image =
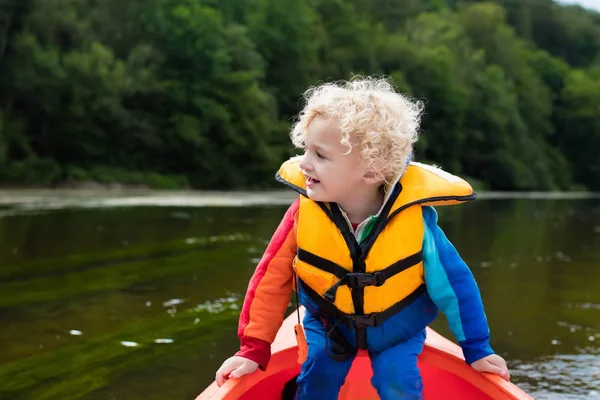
x: 355, y: 280
x: 297, y: 299
x: 325, y: 209
x: 321, y: 263
x: 403, y: 264
x: 340, y: 349
x: 360, y: 280
x: 354, y: 321
x: 469, y: 197
x: 341, y: 223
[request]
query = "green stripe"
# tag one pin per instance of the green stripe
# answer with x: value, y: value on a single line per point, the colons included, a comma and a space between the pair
x: 368, y: 228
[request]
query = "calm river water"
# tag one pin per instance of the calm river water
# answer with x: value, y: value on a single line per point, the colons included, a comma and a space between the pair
x: 137, y: 298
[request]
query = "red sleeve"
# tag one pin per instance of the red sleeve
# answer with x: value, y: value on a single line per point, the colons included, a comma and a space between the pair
x: 268, y: 294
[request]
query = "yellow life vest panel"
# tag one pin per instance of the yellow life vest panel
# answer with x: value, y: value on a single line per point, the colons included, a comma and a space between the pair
x: 384, y: 273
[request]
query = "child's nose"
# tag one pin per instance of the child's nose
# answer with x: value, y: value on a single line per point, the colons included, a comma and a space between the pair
x: 305, y: 165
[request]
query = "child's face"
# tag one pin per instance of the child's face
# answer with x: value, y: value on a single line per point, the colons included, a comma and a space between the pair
x: 331, y: 175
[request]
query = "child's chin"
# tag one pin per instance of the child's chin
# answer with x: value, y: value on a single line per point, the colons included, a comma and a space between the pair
x: 314, y: 195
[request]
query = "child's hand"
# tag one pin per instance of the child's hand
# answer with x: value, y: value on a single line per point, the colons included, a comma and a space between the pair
x: 234, y: 367
x: 493, y: 364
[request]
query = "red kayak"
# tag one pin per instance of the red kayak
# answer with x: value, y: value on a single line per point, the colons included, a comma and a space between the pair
x: 445, y: 375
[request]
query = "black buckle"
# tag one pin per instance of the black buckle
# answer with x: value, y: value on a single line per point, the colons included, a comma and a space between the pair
x: 360, y: 321
x: 357, y: 280
x: 357, y: 321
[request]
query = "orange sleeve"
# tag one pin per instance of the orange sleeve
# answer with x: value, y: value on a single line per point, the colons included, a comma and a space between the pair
x: 269, y: 290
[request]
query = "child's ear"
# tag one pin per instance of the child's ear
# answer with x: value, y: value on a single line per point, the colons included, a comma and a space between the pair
x: 371, y: 177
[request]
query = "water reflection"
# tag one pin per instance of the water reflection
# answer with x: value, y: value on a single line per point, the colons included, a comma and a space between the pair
x: 80, y: 287
x: 561, y: 376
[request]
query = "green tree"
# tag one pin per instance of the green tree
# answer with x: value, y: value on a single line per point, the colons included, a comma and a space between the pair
x: 283, y: 33
x: 216, y: 121
x: 203, y: 91
x: 439, y: 68
x: 345, y: 40
x: 485, y: 25
x: 71, y: 87
x: 569, y: 32
x: 394, y: 14
x: 580, y: 123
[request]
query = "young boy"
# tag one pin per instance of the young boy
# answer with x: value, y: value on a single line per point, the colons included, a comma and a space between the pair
x: 362, y: 240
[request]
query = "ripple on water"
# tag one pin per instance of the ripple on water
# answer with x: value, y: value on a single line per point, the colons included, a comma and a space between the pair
x: 583, y: 306
x: 561, y: 376
x: 173, y: 302
x: 219, y: 305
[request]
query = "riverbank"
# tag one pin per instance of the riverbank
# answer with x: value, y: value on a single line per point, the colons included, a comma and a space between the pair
x: 13, y: 200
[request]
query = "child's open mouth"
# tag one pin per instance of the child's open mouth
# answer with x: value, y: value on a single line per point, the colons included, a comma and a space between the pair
x: 311, y: 181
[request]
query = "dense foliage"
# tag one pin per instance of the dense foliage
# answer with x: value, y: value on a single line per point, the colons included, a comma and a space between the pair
x: 202, y: 92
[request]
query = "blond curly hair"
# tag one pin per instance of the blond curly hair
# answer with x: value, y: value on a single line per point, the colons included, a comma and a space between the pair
x: 383, y: 124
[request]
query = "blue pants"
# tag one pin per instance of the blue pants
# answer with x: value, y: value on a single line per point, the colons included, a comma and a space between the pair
x: 395, y: 371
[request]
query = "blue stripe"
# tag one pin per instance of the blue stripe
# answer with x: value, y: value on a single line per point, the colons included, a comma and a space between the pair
x: 438, y: 284
x: 452, y: 287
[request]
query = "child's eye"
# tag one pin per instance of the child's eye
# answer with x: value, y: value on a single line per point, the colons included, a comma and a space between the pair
x: 319, y: 155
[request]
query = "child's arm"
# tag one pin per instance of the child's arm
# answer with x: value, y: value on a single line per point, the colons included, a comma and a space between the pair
x: 268, y: 294
x: 453, y: 289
